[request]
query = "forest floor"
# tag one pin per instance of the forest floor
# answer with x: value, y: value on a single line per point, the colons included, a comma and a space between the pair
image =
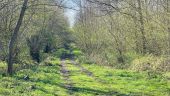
x: 69, y: 78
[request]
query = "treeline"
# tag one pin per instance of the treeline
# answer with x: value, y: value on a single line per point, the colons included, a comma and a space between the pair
x: 120, y: 33
x: 116, y: 32
x: 30, y: 28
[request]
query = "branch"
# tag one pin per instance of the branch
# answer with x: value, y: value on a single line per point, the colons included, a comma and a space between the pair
x: 57, y: 5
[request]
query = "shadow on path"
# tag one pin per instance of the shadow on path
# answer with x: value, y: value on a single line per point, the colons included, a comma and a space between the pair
x: 96, y: 92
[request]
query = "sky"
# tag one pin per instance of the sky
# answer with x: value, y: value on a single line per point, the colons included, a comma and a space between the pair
x: 70, y: 13
x: 71, y: 16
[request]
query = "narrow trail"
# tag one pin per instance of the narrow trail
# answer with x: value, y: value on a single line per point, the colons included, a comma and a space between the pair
x: 87, y: 72
x: 97, y: 79
x: 66, y: 77
x: 82, y: 68
x: 69, y: 85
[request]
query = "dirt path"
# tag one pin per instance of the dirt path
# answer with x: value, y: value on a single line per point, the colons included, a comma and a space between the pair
x: 69, y: 85
x: 65, y: 74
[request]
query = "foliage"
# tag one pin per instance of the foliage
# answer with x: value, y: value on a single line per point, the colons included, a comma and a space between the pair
x: 151, y: 63
x: 107, y: 31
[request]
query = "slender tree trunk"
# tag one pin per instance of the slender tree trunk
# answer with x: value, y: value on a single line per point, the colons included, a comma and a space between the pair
x: 118, y: 47
x: 169, y: 41
x: 168, y: 23
x: 142, y: 28
x: 14, y: 38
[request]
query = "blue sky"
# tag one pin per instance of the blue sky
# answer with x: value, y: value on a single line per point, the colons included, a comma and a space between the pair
x: 71, y: 13
x: 71, y: 16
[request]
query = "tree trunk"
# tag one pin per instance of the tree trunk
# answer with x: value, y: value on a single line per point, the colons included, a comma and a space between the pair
x: 14, y: 38
x: 168, y: 23
x: 35, y: 55
x: 142, y: 28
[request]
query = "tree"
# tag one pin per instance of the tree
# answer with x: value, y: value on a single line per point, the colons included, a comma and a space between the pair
x: 14, y: 38
x: 142, y: 28
x: 35, y: 44
x: 121, y: 27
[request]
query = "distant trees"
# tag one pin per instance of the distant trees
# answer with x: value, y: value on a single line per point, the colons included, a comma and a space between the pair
x: 29, y: 27
x: 8, y: 8
x: 122, y: 26
x: 105, y: 30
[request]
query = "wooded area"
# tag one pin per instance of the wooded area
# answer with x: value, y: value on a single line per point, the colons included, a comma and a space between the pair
x: 29, y: 27
x: 127, y: 37
x: 123, y: 27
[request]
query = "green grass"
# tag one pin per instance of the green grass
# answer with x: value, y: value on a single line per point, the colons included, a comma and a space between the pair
x: 48, y: 81
x: 129, y: 82
x: 44, y: 81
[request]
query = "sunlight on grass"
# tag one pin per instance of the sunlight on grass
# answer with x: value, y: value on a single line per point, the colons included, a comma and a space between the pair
x: 130, y: 82
x: 46, y: 80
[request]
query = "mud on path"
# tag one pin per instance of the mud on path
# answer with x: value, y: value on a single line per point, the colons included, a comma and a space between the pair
x: 65, y: 73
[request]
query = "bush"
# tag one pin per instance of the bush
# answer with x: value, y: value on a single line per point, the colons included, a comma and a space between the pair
x: 151, y: 63
x: 85, y: 59
x: 44, y: 56
x: 3, y: 67
x: 62, y: 53
x: 50, y: 61
x: 77, y: 53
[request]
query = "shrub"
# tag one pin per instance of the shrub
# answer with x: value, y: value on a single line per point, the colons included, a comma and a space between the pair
x: 62, y: 53
x: 77, y: 53
x: 43, y: 56
x: 50, y: 61
x: 85, y: 59
x: 3, y: 67
x: 151, y: 63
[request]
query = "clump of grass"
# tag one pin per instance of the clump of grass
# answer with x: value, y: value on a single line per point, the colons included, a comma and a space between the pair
x: 153, y: 65
x: 2, y: 67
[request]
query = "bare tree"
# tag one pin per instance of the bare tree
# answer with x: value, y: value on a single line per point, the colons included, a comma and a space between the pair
x: 14, y: 37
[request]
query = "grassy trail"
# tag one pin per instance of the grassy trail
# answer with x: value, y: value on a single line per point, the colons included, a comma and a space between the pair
x: 99, y: 80
x: 65, y: 75
x: 88, y: 72
x: 69, y: 78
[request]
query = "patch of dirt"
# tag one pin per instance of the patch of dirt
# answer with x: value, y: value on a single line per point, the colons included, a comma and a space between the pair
x: 65, y: 74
